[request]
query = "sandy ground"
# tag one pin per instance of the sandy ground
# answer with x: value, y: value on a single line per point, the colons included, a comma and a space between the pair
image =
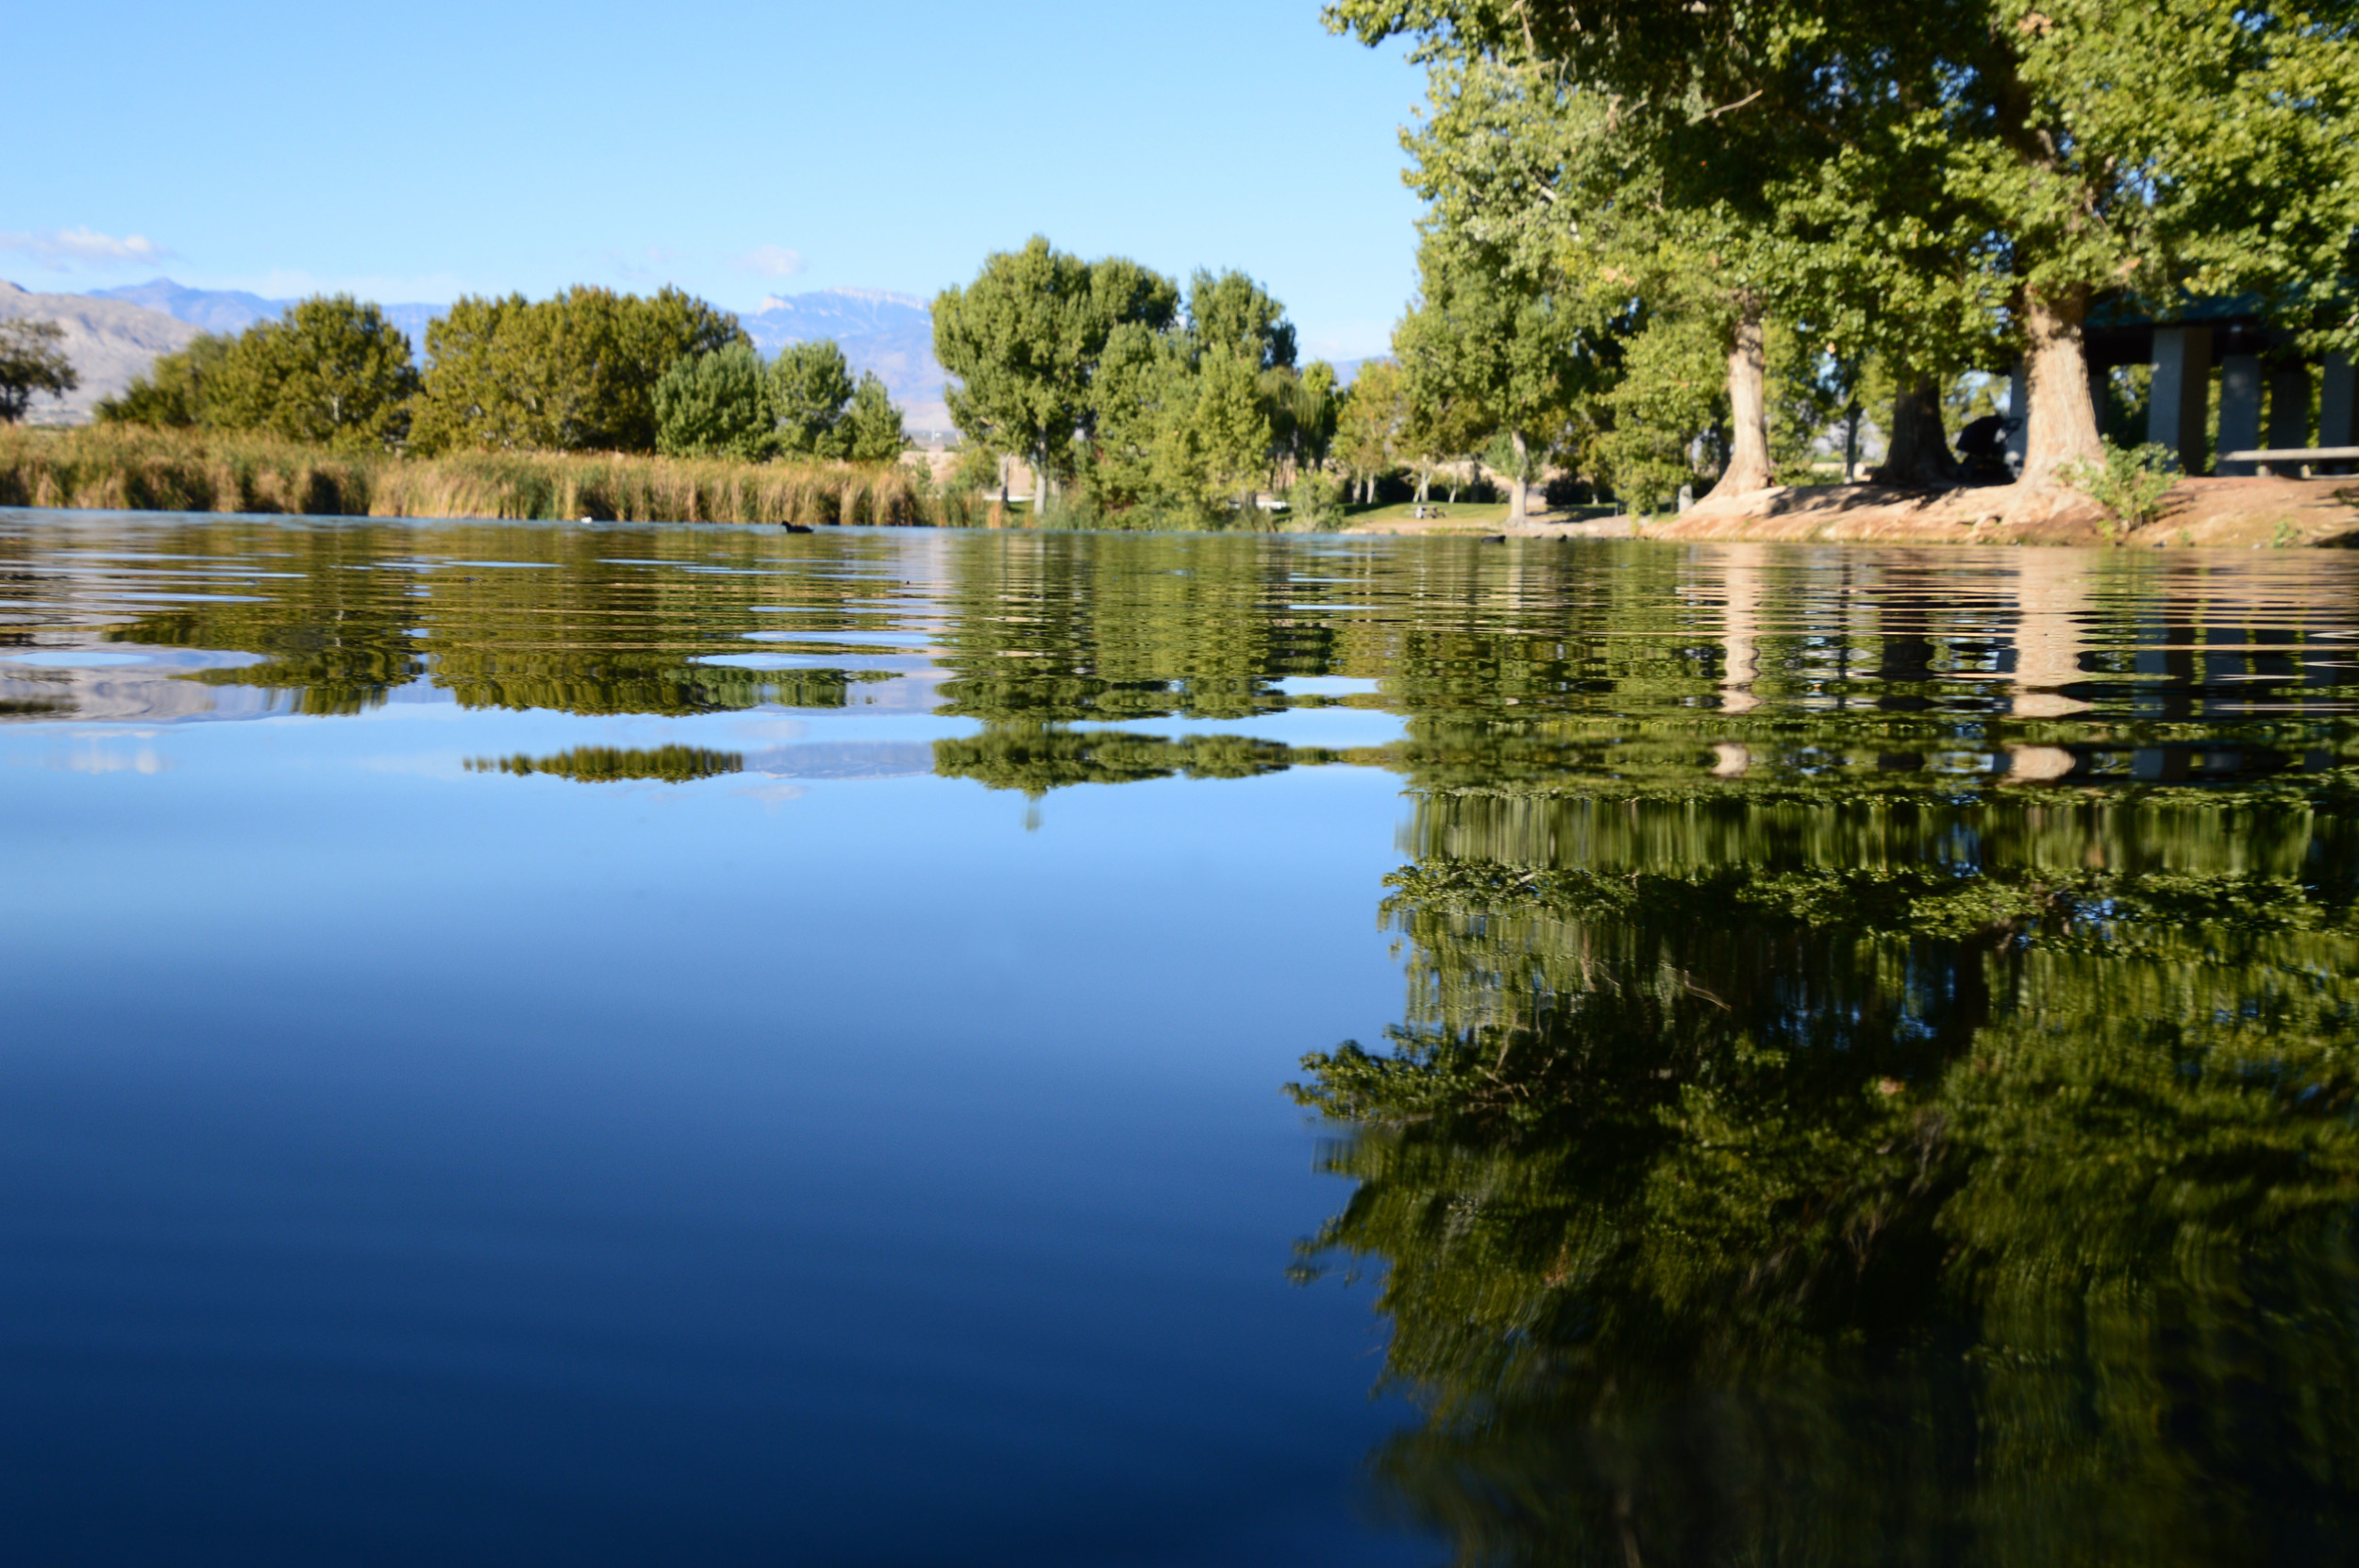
x: 2237, y: 513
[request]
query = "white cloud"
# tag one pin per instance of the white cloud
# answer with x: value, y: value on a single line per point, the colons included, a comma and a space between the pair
x: 65, y: 248
x: 772, y: 261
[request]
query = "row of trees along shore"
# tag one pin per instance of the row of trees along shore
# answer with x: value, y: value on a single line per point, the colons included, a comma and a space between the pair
x: 1650, y: 225
x: 590, y: 370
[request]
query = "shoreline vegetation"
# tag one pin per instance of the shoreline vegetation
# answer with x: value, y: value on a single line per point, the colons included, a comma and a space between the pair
x: 135, y: 468
x: 132, y: 468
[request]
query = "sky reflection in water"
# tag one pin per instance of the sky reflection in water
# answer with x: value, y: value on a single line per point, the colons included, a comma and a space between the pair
x: 1858, y: 1048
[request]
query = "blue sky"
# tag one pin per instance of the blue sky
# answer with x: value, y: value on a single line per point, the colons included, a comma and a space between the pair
x: 421, y: 152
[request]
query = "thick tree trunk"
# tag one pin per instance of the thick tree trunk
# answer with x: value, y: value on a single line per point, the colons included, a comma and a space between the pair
x: 2061, y: 429
x: 1748, y: 410
x: 1040, y: 483
x: 1917, y: 454
x: 1519, y: 488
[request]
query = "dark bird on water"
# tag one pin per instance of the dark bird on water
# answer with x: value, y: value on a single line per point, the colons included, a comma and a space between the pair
x: 795, y: 528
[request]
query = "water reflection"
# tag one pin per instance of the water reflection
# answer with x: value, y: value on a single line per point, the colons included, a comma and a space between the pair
x: 1876, y: 1076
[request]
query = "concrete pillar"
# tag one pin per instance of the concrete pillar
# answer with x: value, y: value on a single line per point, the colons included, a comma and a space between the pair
x: 2289, y: 405
x: 2240, y: 408
x: 2019, y: 415
x: 2336, y: 402
x: 2181, y: 399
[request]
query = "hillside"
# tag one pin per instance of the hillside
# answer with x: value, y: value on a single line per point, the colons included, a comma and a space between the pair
x: 110, y: 341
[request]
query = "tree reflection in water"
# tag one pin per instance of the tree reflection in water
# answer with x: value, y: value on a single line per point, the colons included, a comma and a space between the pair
x: 1877, y: 1080
x: 1766, y: 1178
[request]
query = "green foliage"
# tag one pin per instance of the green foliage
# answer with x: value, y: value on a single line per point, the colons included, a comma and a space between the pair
x: 1315, y: 500
x: 575, y: 372
x: 872, y: 431
x: 126, y: 466
x: 1925, y: 182
x: 2131, y: 482
x: 1493, y: 356
x: 331, y: 373
x: 32, y: 364
x: 714, y: 405
x: 1023, y: 343
x: 811, y: 386
x: 1372, y: 421
x: 1667, y: 416
x: 172, y: 392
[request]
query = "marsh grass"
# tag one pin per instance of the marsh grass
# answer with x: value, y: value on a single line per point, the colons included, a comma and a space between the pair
x: 138, y: 469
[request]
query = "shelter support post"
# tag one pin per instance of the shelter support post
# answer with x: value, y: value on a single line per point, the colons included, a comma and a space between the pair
x: 2182, y: 394
x: 2336, y: 402
x: 2289, y: 405
x: 2240, y: 408
x: 2019, y: 414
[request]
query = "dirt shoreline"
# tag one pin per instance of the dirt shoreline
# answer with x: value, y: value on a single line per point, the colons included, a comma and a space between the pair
x: 2224, y: 513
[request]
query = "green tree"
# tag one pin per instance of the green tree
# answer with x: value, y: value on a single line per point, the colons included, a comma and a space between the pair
x: 1368, y: 427
x: 32, y: 364
x: 575, y: 372
x: 1228, y: 432
x: 873, y: 432
x: 173, y: 391
x: 1924, y: 172
x: 1023, y: 344
x: 714, y: 405
x: 332, y: 372
x: 1496, y: 356
x: 810, y: 386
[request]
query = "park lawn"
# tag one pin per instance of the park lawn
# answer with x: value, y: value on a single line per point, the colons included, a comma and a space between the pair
x: 1489, y: 514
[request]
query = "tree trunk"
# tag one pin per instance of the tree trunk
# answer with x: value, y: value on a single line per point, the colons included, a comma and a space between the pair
x: 1850, y: 441
x: 1518, y: 487
x: 1748, y: 410
x: 2062, y: 423
x: 1917, y: 457
x: 1040, y: 483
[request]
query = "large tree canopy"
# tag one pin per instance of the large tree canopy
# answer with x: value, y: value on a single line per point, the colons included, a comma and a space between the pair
x: 570, y: 373
x: 1932, y: 170
x: 332, y: 372
x: 1024, y: 340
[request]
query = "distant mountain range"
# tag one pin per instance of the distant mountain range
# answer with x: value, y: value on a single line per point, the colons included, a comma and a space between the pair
x: 890, y: 334
x: 110, y: 341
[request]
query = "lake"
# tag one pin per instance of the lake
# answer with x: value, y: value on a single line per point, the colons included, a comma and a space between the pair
x: 624, y: 1044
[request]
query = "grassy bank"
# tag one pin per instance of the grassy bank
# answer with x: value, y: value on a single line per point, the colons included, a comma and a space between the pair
x: 137, y: 469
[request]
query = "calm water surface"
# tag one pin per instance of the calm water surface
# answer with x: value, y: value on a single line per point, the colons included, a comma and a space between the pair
x: 620, y: 1045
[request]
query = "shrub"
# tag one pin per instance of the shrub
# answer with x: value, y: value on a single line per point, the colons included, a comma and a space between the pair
x: 1316, y: 499
x: 2130, y: 483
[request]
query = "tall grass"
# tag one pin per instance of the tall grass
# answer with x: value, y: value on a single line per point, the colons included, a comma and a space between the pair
x: 138, y: 469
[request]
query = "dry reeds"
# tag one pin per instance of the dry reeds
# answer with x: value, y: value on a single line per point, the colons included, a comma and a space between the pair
x: 140, y: 469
